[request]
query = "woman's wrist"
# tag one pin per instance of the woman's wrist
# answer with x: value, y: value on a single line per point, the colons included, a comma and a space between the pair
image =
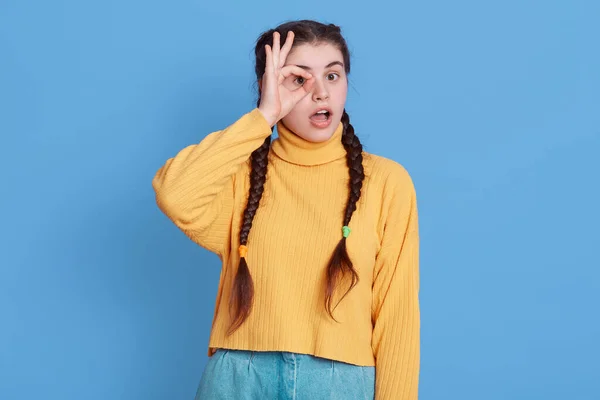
x: 272, y: 120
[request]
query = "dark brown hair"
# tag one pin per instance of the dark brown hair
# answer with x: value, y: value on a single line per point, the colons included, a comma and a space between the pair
x: 242, y: 294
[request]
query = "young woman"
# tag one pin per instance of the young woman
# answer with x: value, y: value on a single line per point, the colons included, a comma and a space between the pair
x: 318, y: 294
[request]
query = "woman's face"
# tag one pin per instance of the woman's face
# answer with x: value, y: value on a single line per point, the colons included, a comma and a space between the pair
x: 326, y: 64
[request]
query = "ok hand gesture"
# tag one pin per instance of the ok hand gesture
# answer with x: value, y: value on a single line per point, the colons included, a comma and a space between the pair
x: 282, y: 87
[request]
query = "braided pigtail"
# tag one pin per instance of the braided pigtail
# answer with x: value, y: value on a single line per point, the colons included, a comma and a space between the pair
x: 242, y: 293
x: 340, y: 263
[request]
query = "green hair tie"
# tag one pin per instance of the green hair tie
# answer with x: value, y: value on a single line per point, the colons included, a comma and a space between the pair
x: 346, y: 231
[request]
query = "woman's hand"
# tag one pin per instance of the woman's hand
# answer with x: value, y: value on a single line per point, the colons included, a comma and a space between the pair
x: 282, y: 87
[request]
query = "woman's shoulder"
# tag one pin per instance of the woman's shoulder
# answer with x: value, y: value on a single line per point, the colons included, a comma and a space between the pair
x: 386, y: 172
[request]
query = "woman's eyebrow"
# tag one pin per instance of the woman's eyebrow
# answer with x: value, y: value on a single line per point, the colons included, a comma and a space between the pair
x: 331, y: 64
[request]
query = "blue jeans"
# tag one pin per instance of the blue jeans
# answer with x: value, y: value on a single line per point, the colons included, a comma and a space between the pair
x: 279, y: 375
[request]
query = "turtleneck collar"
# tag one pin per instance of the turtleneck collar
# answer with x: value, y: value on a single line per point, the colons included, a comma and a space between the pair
x: 292, y: 148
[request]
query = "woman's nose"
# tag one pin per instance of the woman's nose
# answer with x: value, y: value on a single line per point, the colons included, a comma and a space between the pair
x: 320, y: 92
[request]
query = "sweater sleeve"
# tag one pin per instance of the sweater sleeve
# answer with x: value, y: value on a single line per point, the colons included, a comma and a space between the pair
x: 195, y: 188
x: 396, y: 315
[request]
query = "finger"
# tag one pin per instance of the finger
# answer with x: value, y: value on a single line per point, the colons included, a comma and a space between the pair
x: 295, y: 70
x: 269, y: 62
x: 285, y: 50
x: 276, y: 49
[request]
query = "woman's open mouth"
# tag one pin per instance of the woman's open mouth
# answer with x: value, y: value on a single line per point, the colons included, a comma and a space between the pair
x: 321, y: 119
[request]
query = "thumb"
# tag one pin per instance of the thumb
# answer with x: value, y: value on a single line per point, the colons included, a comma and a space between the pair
x: 304, y: 90
x: 308, y: 85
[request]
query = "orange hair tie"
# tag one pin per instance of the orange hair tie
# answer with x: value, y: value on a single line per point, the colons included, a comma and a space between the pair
x: 243, y: 250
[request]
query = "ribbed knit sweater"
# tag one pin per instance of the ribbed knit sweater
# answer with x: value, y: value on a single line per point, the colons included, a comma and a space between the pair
x: 203, y: 189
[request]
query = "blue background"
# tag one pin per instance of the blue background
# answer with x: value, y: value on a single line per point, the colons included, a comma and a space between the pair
x: 493, y: 107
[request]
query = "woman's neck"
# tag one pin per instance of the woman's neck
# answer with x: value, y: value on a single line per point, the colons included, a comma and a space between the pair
x: 294, y: 149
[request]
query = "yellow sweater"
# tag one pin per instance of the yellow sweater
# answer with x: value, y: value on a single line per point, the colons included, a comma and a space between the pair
x: 203, y: 190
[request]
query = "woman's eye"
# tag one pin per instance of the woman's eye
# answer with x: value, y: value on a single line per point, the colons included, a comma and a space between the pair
x: 299, y: 80
x: 332, y: 76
